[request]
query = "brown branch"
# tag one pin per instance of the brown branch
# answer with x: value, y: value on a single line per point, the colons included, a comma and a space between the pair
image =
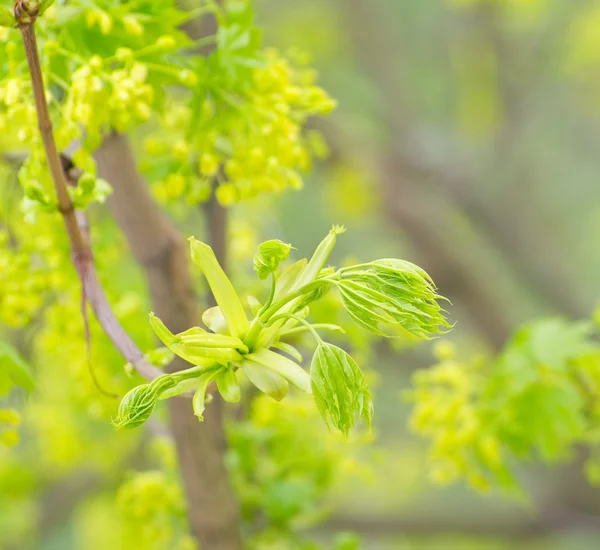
x: 81, y: 254
x: 426, y: 525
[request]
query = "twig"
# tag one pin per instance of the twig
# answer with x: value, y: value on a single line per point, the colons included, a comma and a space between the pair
x: 80, y: 251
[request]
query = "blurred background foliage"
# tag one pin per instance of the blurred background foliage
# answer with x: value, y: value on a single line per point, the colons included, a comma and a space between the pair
x: 464, y: 140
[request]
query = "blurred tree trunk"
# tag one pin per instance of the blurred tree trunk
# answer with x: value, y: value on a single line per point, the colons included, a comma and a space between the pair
x: 161, y: 251
x: 508, y: 224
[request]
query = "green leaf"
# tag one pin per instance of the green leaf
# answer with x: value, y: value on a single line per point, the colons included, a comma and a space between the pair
x: 199, y: 399
x: 270, y: 255
x: 289, y: 349
x: 288, y: 278
x: 283, y: 366
x: 221, y: 287
x: 389, y: 296
x: 197, y: 336
x: 339, y: 388
x: 253, y: 304
x: 214, y: 319
x: 14, y: 369
x: 7, y: 18
x: 197, y: 346
x: 89, y: 189
x: 228, y: 386
x: 138, y: 404
x: 320, y: 257
x: 44, y: 5
x: 265, y: 379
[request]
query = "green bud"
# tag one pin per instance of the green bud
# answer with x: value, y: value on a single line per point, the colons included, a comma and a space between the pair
x: 270, y: 255
x: 339, y: 388
x: 138, y: 404
x: 388, y: 297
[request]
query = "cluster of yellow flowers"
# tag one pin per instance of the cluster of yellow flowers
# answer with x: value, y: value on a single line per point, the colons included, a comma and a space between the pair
x: 251, y: 142
x: 446, y: 411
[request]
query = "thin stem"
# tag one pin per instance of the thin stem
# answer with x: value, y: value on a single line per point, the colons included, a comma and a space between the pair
x: 321, y: 326
x: 81, y: 254
x: 271, y: 295
x: 297, y: 293
x: 300, y: 320
x: 79, y: 248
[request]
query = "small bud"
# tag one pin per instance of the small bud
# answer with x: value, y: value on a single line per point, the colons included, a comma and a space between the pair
x: 124, y: 55
x: 166, y: 42
x: 96, y: 63
x: 188, y: 78
x: 132, y: 25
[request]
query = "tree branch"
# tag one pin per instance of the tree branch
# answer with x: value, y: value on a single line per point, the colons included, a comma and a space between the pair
x: 81, y: 254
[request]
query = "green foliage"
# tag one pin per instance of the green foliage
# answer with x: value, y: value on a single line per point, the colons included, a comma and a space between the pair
x: 282, y: 460
x: 537, y: 399
x: 391, y: 295
x: 339, y: 388
x: 405, y: 298
x: 270, y: 255
x: 13, y: 370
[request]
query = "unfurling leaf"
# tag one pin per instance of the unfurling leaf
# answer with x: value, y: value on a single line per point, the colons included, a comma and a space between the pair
x: 221, y: 287
x: 214, y: 319
x: 270, y: 255
x: 339, y: 388
x: 228, y: 386
x: 320, y: 257
x: 137, y: 405
x: 199, y: 400
x: 283, y: 366
x: 390, y: 296
x: 197, y: 346
x: 267, y: 381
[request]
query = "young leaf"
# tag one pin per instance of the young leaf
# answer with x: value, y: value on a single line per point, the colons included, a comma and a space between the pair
x: 253, y: 304
x: 137, y: 405
x: 283, y: 366
x: 199, y: 399
x: 221, y: 287
x: 266, y: 380
x: 270, y: 255
x: 228, y: 386
x: 289, y: 349
x: 339, y: 388
x: 288, y: 278
x: 389, y: 296
x: 196, y: 336
x: 214, y: 319
x: 197, y: 346
x: 320, y: 257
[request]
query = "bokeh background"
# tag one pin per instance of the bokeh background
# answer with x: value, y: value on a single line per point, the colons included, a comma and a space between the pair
x: 466, y: 140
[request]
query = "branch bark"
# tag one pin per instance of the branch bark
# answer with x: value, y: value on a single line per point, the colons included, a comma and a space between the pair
x: 81, y: 253
x: 162, y: 252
